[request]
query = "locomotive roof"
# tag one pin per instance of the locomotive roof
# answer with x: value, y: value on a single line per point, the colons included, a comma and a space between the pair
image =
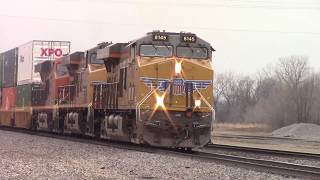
x: 169, y: 33
x: 148, y: 38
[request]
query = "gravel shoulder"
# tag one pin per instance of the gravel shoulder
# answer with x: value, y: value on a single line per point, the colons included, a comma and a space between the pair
x: 25, y: 156
x: 270, y: 142
x: 266, y: 140
x: 293, y: 160
x: 277, y: 144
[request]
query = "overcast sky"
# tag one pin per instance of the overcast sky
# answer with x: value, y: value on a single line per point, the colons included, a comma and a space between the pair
x: 247, y: 34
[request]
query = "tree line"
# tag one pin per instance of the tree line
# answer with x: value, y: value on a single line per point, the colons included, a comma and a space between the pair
x: 281, y: 94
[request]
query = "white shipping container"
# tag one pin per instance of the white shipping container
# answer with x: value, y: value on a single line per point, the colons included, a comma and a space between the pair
x: 34, y: 52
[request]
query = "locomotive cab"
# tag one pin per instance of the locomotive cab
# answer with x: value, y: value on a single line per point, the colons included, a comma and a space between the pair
x: 175, y: 90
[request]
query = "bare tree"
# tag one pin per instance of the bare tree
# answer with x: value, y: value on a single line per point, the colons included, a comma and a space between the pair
x: 279, y: 95
x: 292, y: 70
x: 315, y: 106
x: 293, y: 73
x: 233, y: 95
x: 220, y: 86
x: 223, y: 94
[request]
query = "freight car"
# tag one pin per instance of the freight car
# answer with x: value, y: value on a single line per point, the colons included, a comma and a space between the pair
x: 156, y: 90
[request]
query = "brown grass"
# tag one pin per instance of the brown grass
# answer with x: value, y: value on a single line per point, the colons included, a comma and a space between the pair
x: 250, y: 127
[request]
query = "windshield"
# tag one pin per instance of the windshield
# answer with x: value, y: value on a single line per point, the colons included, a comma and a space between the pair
x: 94, y: 60
x: 61, y: 70
x: 156, y: 51
x: 192, y: 52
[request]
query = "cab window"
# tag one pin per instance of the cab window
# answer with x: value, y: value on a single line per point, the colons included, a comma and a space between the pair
x: 61, y: 70
x: 94, y: 60
x: 192, y: 52
x: 156, y: 51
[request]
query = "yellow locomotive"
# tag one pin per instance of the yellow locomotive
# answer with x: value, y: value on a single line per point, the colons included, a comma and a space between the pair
x: 164, y: 90
x: 156, y: 90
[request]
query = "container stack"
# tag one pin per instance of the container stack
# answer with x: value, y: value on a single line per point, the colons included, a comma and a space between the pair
x: 8, y: 85
x: 31, y: 54
x: 18, y: 78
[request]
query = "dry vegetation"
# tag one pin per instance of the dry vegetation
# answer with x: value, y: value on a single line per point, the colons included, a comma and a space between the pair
x: 277, y: 96
x: 241, y: 127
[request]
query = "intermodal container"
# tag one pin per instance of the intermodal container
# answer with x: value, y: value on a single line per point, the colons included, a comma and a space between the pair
x: 0, y: 96
x: 1, y: 69
x: 35, y: 52
x: 9, y: 60
x: 8, y: 98
x: 29, y: 95
x: 24, y: 95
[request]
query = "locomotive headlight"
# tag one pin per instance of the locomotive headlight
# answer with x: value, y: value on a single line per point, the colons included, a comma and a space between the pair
x: 160, y: 101
x: 197, y: 103
x: 178, y: 68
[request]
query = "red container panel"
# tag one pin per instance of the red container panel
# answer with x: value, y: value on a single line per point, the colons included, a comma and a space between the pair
x: 9, y: 96
x: 61, y: 81
x: 8, y: 105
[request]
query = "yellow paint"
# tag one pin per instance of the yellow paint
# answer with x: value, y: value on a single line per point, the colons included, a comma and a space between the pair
x: 164, y: 68
x: 95, y: 73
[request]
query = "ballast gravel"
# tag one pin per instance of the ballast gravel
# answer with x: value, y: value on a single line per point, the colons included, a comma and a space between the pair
x: 25, y: 156
x: 306, y: 131
x: 291, y: 160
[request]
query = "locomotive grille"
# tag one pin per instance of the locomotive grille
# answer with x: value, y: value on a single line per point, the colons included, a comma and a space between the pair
x: 178, y: 89
x: 179, y: 85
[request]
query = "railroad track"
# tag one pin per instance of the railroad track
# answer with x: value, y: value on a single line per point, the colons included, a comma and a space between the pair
x: 256, y: 164
x: 273, y: 152
x: 249, y: 137
x: 263, y: 165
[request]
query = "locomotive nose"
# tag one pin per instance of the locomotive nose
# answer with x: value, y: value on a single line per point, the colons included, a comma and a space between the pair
x: 178, y: 68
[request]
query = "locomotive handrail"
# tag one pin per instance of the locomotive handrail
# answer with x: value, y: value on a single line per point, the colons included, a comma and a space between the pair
x: 102, y: 83
x: 67, y: 85
x: 142, y: 101
x: 155, y: 58
x: 205, y: 101
x: 213, y: 112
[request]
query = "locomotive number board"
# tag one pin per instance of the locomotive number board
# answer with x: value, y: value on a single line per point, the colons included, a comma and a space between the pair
x: 160, y: 37
x: 188, y: 38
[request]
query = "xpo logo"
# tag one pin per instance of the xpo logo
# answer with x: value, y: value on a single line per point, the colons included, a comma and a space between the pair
x: 50, y: 52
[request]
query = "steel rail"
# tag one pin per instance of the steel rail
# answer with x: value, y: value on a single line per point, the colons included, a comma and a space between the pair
x: 274, y: 152
x: 228, y: 136
x: 264, y: 165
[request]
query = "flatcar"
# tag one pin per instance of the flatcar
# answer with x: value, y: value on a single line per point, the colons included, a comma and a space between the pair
x: 155, y: 90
